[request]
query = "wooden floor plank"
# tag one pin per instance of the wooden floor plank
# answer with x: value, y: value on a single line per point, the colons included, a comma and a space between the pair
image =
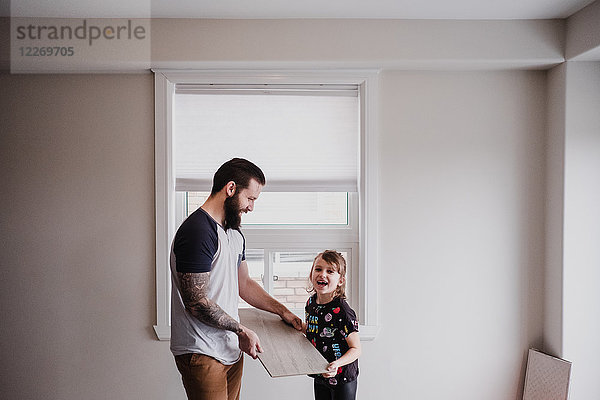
x: 286, y: 351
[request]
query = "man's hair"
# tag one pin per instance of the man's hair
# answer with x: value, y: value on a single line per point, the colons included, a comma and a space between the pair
x: 240, y: 171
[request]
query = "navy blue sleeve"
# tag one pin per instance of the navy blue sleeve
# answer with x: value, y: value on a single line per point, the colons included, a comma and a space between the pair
x: 195, y: 244
x: 244, y: 245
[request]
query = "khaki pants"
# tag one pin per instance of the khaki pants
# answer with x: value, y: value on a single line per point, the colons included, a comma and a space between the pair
x: 205, y: 378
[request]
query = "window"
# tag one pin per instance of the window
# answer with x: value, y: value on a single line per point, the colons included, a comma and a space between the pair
x: 284, y: 275
x: 286, y: 231
x: 277, y: 208
x: 312, y: 136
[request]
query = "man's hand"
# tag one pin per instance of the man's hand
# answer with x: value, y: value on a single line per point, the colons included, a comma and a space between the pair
x: 292, y: 319
x: 249, y: 342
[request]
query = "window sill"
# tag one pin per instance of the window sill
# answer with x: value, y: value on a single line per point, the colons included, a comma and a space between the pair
x: 163, y: 332
x: 367, y: 332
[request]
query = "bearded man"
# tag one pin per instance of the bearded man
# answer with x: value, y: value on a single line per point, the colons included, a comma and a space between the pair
x: 209, y: 270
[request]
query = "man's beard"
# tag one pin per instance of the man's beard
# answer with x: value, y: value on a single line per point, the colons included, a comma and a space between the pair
x: 233, y: 219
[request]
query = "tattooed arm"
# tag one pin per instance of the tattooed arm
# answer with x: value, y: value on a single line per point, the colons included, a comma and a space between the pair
x: 194, y: 288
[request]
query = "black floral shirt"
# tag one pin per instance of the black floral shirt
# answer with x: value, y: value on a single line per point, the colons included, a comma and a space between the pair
x: 327, y: 326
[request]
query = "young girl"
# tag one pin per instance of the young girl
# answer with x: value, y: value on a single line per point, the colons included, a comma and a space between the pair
x: 332, y: 327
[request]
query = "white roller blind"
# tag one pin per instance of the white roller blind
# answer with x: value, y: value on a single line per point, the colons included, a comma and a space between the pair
x: 304, y: 138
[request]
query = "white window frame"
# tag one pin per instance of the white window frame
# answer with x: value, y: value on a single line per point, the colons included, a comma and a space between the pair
x: 364, y: 278
x: 300, y: 238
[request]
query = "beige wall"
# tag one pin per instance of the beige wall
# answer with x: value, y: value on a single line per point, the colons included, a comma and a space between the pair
x: 462, y: 203
x: 581, y: 298
x: 461, y: 232
x: 413, y: 44
x: 77, y: 291
x: 572, y: 295
x: 461, y: 239
x: 583, y: 34
x: 324, y: 43
x: 555, y: 178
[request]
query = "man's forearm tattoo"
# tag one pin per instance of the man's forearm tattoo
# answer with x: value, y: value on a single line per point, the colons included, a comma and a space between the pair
x: 194, y: 289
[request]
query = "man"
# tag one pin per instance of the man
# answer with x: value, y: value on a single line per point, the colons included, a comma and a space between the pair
x: 209, y: 270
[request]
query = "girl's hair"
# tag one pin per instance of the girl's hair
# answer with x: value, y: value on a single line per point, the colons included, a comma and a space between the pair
x: 334, y: 258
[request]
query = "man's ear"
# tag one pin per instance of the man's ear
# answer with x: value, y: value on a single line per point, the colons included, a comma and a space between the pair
x: 230, y: 188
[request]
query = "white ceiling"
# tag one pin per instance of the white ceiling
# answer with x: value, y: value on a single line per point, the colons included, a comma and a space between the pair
x: 253, y: 9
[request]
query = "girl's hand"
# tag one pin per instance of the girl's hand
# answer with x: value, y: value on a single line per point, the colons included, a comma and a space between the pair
x: 332, y: 369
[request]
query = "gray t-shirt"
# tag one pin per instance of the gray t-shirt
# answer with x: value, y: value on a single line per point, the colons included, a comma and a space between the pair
x: 202, y: 245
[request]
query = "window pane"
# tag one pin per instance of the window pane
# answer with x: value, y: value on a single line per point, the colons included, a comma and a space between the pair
x: 290, y: 274
x: 299, y: 208
x: 255, y: 258
x: 285, y: 208
x: 194, y: 200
